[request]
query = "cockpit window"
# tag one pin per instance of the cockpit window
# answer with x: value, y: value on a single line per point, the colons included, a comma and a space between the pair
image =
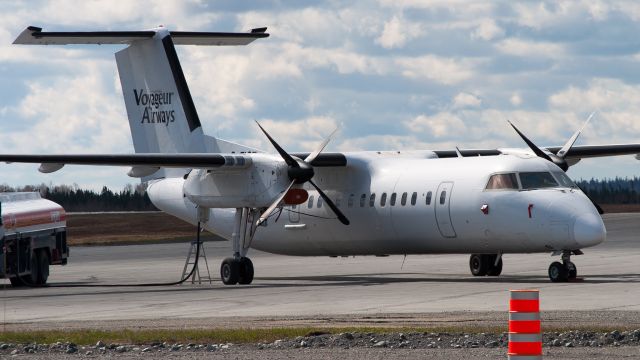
x: 564, y: 180
x: 537, y: 180
x: 502, y: 181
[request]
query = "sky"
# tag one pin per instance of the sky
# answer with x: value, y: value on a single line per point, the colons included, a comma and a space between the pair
x: 392, y: 74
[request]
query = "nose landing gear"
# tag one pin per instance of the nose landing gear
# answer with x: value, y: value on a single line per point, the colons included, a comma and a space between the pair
x: 565, y: 271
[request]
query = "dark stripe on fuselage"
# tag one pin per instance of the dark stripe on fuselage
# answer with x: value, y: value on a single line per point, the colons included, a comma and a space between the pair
x: 181, y: 84
x: 465, y: 153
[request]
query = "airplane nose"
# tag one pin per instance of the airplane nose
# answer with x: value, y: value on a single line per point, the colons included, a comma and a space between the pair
x: 589, y: 230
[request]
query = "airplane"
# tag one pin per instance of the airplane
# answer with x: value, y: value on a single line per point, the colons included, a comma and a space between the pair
x: 482, y: 202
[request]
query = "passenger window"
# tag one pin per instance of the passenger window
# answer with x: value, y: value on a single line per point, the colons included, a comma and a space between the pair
x: 502, y: 182
x: 429, y: 198
x: 372, y: 200
x: 383, y: 199
x: 414, y: 198
x: 363, y: 198
x: 319, y: 201
x: 403, y: 200
x: 310, y: 204
x: 537, y: 180
x: 350, y: 202
x: 443, y: 197
x: 393, y: 199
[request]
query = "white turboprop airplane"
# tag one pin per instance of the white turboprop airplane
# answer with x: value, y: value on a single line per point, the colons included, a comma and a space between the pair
x: 481, y: 202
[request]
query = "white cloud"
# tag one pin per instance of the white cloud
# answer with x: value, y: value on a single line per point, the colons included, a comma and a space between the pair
x: 305, y: 134
x: 465, y: 100
x: 525, y: 48
x: 438, y: 125
x: 442, y: 70
x: 515, y: 99
x: 397, y: 32
x: 603, y: 94
x: 487, y: 30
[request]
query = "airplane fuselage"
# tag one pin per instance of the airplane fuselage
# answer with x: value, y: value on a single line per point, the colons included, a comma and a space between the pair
x: 415, y: 204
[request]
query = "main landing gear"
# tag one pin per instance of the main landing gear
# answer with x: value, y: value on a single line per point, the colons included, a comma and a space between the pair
x: 565, y: 271
x: 485, y: 264
x: 239, y: 268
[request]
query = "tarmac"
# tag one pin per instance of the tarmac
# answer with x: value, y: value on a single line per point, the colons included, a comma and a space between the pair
x: 294, y: 291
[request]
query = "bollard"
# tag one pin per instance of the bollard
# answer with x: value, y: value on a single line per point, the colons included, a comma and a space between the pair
x: 525, y: 337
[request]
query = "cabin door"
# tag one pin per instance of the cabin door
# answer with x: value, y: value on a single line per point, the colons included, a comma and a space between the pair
x: 443, y: 209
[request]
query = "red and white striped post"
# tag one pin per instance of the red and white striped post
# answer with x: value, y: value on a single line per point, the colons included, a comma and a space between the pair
x: 525, y: 337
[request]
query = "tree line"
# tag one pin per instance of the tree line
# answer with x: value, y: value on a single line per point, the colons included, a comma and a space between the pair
x: 74, y: 199
x: 612, y: 191
x: 134, y: 198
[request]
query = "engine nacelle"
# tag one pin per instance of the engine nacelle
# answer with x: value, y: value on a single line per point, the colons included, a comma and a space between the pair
x: 255, y: 184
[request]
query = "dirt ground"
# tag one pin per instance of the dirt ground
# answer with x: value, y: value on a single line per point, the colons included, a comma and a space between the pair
x: 127, y: 228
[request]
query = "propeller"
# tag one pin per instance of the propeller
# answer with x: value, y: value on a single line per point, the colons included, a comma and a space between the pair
x: 300, y: 171
x: 558, y: 158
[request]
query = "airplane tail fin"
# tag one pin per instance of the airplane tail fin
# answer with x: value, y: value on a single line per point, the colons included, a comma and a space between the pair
x: 161, y: 112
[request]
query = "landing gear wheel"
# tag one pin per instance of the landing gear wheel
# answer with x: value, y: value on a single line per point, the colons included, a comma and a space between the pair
x: 230, y: 271
x: 558, y: 272
x: 246, y: 271
x: 494, y: 270
x: 478, y: 265
x: 43, y: 267
x: 572, y: 271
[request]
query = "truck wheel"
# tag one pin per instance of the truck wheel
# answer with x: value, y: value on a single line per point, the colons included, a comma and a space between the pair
x: 43, y: 267
x: 31, y: 279
x: 15, y: 281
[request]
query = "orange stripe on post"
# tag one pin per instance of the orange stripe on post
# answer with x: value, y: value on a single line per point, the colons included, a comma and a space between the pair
x: 524, y: 305
x: 525, y: 348
x: 527, y: 327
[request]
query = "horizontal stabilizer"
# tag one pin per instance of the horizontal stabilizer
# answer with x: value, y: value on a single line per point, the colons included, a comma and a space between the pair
x: 33, y: 35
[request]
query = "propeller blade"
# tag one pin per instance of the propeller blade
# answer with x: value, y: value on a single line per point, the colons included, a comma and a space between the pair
x: 274, y: 205
x: 458, y: 152
x: 287, y: 158
x: 315, y: 154
x: 565, y: 149
x: 532, y: 146
x: 343, y: 219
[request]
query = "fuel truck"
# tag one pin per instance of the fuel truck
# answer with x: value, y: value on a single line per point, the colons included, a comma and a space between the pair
x: 33, y: 236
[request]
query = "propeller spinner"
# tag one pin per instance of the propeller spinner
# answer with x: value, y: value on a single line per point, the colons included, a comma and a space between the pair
x: 300, y: 171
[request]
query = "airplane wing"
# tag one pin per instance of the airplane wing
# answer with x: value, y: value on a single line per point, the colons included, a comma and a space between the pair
x: 589, y: 151
x: 576, y: 152
x: 182, y: 160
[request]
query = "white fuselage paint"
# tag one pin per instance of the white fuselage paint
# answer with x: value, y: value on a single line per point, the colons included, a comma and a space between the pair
x: 561, y: 218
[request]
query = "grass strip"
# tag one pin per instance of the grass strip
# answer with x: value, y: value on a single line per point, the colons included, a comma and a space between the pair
x: 236, y: 336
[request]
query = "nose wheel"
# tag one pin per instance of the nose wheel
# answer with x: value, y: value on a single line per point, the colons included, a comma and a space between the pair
x: 563, y: 271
